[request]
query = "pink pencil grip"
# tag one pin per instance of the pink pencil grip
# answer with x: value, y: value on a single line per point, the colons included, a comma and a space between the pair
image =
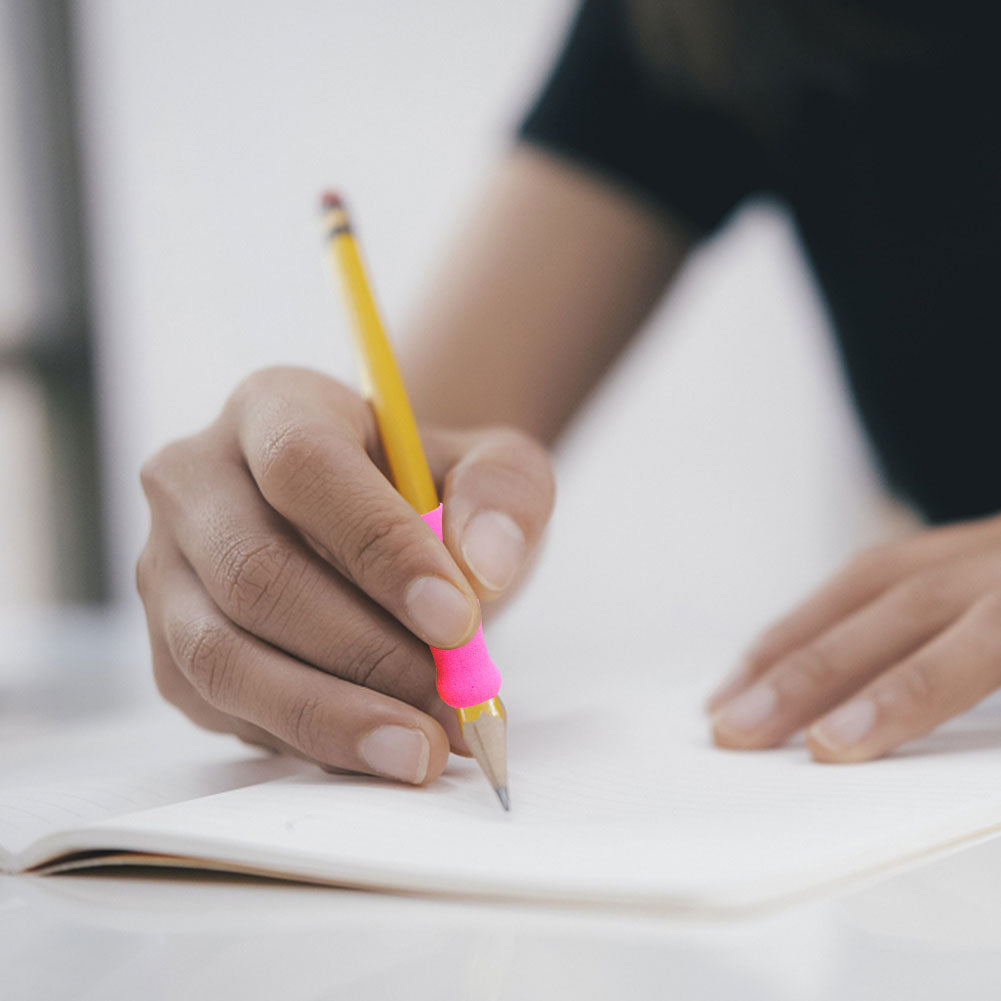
x: 466, y: 675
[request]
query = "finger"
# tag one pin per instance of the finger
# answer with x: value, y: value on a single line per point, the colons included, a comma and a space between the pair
x: 170, y: 682
x: 325, y: 719
x: 180, y: 693
x: 866, y: 575
x: 940, y: 680
x: 307, y: 457
x: 813, y: 678
x: 263, y: 578
x: 157, y: 566
x: 851, y: 589
x: 498, y: 495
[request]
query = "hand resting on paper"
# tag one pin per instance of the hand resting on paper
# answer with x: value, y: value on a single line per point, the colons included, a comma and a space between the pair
x: 291, y: 592
x: 905, y: 637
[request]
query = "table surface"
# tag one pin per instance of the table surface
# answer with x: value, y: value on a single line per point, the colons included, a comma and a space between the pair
x: 931, y: 932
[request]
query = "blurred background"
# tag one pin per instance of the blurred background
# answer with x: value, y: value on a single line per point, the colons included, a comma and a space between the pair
x: 159, y: 172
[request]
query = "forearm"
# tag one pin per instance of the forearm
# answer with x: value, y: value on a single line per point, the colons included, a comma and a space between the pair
x: 552, y: 277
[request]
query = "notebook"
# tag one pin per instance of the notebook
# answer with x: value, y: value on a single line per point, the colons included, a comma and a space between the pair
x: 618, y: 798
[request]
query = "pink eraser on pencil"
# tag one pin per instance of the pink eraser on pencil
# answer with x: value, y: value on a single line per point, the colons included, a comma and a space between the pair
x: 466, y: 675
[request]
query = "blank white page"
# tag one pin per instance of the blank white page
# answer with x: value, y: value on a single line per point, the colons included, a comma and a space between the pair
x: 108, y: 768
x: 617, y: 798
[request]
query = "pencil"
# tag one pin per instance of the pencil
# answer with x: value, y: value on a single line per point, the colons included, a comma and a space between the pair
x: 467, y: 679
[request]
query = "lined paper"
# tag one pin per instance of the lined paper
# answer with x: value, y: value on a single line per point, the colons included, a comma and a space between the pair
x: 617, y: 800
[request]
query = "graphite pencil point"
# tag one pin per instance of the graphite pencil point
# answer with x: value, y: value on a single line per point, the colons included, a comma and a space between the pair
x: 485, y: 728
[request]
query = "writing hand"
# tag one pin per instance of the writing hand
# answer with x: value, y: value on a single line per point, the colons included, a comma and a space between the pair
x: 291, y: 592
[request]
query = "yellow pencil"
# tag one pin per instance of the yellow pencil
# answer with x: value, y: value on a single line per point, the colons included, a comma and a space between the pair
x: 467, y: 678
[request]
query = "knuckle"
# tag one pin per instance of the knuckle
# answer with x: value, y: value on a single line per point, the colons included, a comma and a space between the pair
x: 288, y: 456
x: 258, y: 577
x: 259, y: 381
x: 875, y: 562
x: 538, y: 470
x: 304, y: 725
x: 382, y: 664
x: 164, y: 474
x: 203, y: 649
x: 270, y: 387
x: 917, y: 686
x: 528, y: 458
x: 923, y: 596
x: 375, y: 546
x: 274, y: 380
x: 524, y: 453
x: 813, y: 666
x: 514, y: 462
x: 281, y: 389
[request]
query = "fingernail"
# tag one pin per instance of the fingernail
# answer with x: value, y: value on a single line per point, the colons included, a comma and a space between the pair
x: 748, y: 710
x: 442, y: 614
x: 729, y: 685
x: 399, y: 752
x: 493, y: 546
x: 846, y: 726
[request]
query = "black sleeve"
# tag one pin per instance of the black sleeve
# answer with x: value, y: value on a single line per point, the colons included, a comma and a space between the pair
x: 601, y: 108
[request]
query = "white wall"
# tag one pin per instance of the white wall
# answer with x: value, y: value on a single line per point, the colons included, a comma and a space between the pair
x: 211, y: 128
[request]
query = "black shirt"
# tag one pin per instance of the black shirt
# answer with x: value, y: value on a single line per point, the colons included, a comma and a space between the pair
x: 876, y: 123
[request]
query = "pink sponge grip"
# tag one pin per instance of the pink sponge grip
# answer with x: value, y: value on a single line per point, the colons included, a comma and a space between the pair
x: 466, y: 675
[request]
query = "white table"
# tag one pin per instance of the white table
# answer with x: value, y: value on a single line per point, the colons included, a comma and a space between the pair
x: 929, y: 933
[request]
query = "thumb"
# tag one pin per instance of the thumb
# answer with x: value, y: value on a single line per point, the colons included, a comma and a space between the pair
x: 498, y: 492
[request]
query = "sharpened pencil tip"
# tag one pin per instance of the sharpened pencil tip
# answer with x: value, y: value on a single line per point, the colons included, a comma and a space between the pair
x: 331, y: 200
x: 485, y: 727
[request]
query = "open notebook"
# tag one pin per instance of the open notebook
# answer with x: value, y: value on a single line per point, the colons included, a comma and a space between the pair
x: 616, y: 798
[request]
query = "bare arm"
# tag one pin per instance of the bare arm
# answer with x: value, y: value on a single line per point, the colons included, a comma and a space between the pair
x: 556, y: 271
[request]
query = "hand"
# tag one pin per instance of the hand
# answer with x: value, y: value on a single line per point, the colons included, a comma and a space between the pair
x: 905, y: 637
x: 291, y: 592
